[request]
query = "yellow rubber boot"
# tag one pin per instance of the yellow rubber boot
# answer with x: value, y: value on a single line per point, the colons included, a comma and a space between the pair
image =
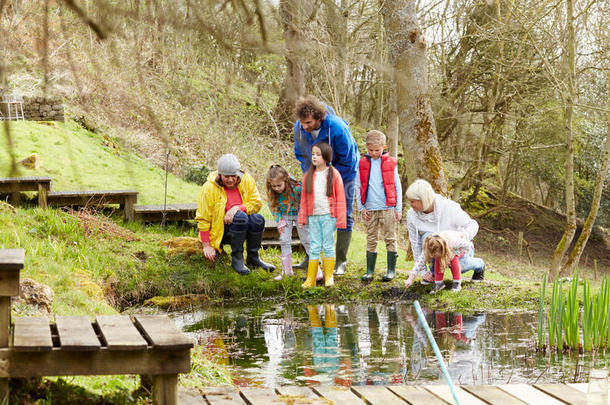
x: 310, y: 281
x: 314, y: 317
x: 330, y: 318
x: 329, y: 266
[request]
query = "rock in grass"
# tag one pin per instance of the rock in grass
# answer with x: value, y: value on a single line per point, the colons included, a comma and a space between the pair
x: 32, y: 162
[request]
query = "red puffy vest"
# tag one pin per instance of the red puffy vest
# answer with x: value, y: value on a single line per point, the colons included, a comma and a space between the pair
x: 388, y: 164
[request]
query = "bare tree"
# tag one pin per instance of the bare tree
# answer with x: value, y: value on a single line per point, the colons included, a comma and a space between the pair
x: 407, y: 55
x: 569, y: 96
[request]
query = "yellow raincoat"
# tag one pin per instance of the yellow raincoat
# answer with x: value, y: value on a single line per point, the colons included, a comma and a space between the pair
x: 212, y: 200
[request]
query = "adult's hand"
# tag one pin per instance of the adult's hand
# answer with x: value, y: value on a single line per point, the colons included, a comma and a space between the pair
x: 208, y: 251
x: 409, y: 281
x: 230, y: 214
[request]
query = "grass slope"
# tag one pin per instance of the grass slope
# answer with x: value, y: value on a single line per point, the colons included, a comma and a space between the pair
x: 77, y: 159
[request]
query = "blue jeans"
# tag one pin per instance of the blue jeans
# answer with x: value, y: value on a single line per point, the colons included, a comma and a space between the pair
x: 321, y: 236
x: 242, y: 222
x: 350, y: 188
x: 467, y: 262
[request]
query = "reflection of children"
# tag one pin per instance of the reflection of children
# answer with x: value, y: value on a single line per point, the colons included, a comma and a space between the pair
x: 325, y: 341
x: 379, y: 197
x: 284, y: 195
x: 323, y: 208
x: 443, y: 249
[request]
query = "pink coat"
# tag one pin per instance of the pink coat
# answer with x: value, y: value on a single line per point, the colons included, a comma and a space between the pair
x: 336, y: 201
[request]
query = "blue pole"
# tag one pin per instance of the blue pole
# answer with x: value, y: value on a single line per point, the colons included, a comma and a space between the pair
x: 441, y: 362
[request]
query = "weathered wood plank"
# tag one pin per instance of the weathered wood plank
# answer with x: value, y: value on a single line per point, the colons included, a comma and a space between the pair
x: 12, y: 184
x: 12, y: 259
x: 529, y: 394
x: 161, y: 332
x: 76, y: 333
x: 9, y: 283
x: 165, y: 389
x: 119, y: 333
x: 377, y: 395
x: 32, y: 334
x: 564, y: 393
x: 90, y: 197
x: 299, y: 395
x: 59, y: 362
x: 492, y: 395
x: 582, y: 387
x: 5, y: 320
x: 258, y: 396
x: 416, y: 395
x: 444, y: 392
x: 222, y: 396
x: 339, y: 395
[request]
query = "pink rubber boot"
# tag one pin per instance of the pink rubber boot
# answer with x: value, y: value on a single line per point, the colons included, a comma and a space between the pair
x: 286, y: 267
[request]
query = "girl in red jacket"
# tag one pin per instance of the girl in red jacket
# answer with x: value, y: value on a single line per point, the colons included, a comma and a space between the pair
x: 323, y: 209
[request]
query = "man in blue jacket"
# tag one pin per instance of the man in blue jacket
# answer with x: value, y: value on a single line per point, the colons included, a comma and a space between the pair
x: 318, y: 122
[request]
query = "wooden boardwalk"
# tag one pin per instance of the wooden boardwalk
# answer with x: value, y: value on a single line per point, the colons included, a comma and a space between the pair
x: 507, y: 394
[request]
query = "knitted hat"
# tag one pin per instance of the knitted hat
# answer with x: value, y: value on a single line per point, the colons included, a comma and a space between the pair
x: 228, y: 165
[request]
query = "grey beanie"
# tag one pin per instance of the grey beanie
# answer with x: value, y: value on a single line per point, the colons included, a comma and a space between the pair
x: 228, y: 165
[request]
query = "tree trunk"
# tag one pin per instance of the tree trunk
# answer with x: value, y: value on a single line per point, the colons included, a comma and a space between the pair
x: 569, y: 96
x: 574, y: 257
x: 407, y: 54
x: 392, y: 120
x: 293, y: 86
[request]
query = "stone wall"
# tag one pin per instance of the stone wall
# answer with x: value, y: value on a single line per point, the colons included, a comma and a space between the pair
x: 40, y: 109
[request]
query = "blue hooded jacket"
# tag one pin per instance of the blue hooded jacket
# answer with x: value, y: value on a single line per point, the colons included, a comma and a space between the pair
x: 335, y: 131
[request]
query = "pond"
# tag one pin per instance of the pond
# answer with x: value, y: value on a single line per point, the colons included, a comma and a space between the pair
x: 357, y: 344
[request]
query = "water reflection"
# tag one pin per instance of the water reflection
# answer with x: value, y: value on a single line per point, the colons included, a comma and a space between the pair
x: 375, y: 344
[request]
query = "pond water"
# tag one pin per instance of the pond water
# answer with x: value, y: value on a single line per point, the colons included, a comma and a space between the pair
x: 359, y: 344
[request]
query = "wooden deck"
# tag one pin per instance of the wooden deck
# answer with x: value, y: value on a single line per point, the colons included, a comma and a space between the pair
x: 507, y: 394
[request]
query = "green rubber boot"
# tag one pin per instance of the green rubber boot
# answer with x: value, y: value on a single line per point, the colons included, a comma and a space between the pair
x: 371, y: 258
x: 391, y: 273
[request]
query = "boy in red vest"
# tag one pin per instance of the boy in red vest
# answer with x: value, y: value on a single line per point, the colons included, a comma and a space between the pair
x: 379, y: 197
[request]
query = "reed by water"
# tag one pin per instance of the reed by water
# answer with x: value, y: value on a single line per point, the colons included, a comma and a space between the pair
x: 565, y: 328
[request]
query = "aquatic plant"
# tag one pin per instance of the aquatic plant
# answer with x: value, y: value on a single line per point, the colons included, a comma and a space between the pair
x: 571, y: 315
x: 541, y: 340
x: 563, y: 317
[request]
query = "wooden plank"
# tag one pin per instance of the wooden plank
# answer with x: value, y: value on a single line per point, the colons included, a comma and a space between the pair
x: 5, y: 320
x: 43, y: 192
x: 299, y: 395
x: 165, y: 389
x: 32, y: 334
x: 258, y: 396
x: 529, y: 394
x: 119, y: 333
x: 492, y: 395
x: 88, y: 198
x: 339, y: 395
x: 128, y: 212
x: 564, y: 393
x: 12, y: 259
x: 416, y: 395
x: 582, y: 387
x: 444, y: 392
x: 59, y: 362
x: 222, y: 396
x: 76, y: 333
x: 161, y: 332
x: 9, y: 283
x: 14, y: 184
x: 377, y: 394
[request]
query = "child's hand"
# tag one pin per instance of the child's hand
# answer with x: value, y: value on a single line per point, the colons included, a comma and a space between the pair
x: 281, y: 226
x: 398, y: 216
x: 366, y: 215
x: 409, y: 281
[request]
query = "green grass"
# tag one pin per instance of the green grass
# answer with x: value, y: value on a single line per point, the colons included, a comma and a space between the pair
x: 77, y: 159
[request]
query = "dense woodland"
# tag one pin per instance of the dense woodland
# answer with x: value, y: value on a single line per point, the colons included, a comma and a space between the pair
x: 475, y: 95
